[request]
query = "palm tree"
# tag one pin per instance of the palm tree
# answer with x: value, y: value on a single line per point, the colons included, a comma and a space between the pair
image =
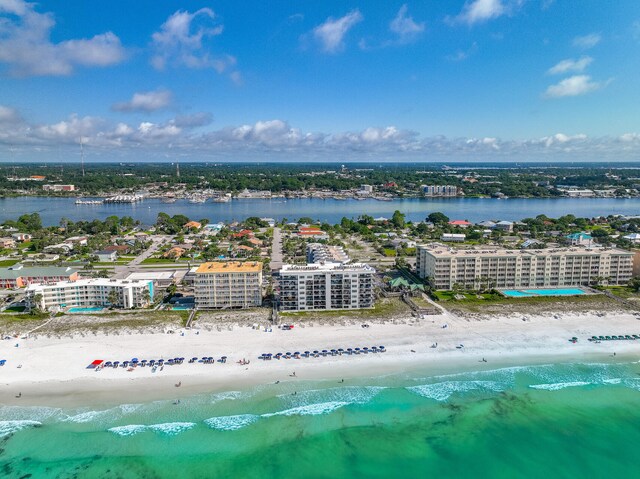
x: 113, y: 297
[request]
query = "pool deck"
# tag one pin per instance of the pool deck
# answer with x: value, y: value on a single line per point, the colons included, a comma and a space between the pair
x: 547, y: 292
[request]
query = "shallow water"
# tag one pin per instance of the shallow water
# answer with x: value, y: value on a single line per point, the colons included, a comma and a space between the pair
x: 566, y: 420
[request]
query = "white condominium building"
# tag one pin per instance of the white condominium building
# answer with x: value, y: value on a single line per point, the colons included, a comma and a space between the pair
x: 228, y: 284
x: 325, y: 286
x: 439, y: 190
x: 319, y: 253
x: 541, y: 268
x: 88, y: 293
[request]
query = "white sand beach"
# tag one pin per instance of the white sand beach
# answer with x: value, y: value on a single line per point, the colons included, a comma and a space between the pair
x: 48, y: 371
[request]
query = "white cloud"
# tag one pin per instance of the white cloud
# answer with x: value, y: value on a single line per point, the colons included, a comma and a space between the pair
x: 478, y: 11
x: 146, y: 101
x: 9, y: 115
x: 180, y: 43
x: 587, y: 41
x: 27, y: 50
x: 630, y: 137
x: 462, y: 55
x: 277, y: 139
x: 570, y: 65
x: 574, y: 86
x: 405, y: 27
x: 331, y: 33
x: 561, y: 138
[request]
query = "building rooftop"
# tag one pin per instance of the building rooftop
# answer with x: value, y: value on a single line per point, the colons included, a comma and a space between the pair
x: 447, y: 252
x: 325, y: 267
x: 18, y: 270
x: 86, y: 282
x: 230, y: 267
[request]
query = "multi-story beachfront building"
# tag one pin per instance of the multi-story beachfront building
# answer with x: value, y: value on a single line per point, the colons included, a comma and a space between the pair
x: 89, y: 293
x: 228, y: 284
x: 325, y: 286
x: 322, y: 253
x: 18, y: 276
x: 439, y: 190
x: 504, y: 268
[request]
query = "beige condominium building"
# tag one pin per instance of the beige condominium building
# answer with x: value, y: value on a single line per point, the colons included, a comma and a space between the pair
x: 539, y: 268
x: 325, y: 286
x: 228, y: 284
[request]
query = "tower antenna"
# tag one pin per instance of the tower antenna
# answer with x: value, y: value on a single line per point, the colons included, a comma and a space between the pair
x: 81, y: 156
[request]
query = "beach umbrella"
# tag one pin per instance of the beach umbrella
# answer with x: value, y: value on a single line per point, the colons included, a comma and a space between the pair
x: 306, y: 353
x: 340, y: 350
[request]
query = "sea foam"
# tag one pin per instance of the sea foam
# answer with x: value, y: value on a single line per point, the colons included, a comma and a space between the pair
x: 558, y: 386
x: 310, y: 409
x: 444, y: 390
x: 129, y: 430
x: 9, y: 427
x: 231, y: 423
x: 166, y: 429
x: 172, y: 428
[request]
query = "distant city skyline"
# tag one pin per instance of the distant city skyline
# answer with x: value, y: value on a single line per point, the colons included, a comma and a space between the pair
x: 442, y: 81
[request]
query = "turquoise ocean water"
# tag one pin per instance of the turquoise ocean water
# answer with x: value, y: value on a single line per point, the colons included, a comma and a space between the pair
x: 563, y: 420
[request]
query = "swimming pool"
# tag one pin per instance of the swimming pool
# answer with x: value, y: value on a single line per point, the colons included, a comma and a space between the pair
x: 181, y: 308
x: 529, y: 293
x: 85, y: 310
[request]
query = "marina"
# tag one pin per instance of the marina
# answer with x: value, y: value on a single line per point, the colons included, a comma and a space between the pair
x: 51, y: 209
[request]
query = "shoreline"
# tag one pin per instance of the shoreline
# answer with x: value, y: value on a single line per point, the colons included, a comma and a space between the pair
x: 54, y: 373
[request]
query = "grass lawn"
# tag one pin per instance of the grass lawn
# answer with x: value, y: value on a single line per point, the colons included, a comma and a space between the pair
x: 9, y: 262
x: 389, y: 252
x: 162, y: 260
x: 16, y: 309
x: 383, y: 309
x: 22, y: 317
x: 497, y: 304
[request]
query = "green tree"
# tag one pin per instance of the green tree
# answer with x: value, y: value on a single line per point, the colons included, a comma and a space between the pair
x: 438, y: 218
x: 398, y: 219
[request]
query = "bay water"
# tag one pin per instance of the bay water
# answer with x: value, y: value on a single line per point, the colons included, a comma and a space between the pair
x: 53, y: 209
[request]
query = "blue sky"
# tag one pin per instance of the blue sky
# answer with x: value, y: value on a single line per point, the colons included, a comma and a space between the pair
x: 501, y: 80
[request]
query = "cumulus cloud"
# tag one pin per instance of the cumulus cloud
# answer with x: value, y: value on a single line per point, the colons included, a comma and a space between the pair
x: 570, y: 65
x: 192, y: 121
x: 180, y: 43
x: 330, y: 34
x: 27, y: 50
x: 478, y: 11
x: 146, y: 102
x: 276, y: 138
x: 405, y: 27
x: 9, y: 115
x: 587, y: 41
x: 574, y: 86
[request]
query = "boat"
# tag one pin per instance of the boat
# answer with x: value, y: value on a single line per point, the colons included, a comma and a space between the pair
x: 168, y: 200
x: 222, y: 198
x: 197, y: 199
x: 88, y: 202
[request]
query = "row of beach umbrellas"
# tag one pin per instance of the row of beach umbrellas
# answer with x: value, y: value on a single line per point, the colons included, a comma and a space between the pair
x: 323, y: 353
x: 163, y: 362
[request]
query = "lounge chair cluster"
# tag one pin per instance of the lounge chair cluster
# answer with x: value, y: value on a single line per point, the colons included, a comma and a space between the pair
x: 322, y: 353
x: 626, y: 337
x: 135, y: 362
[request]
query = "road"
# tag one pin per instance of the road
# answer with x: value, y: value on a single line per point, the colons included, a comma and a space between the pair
x: 276, y: 250
x: 157, y: 241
